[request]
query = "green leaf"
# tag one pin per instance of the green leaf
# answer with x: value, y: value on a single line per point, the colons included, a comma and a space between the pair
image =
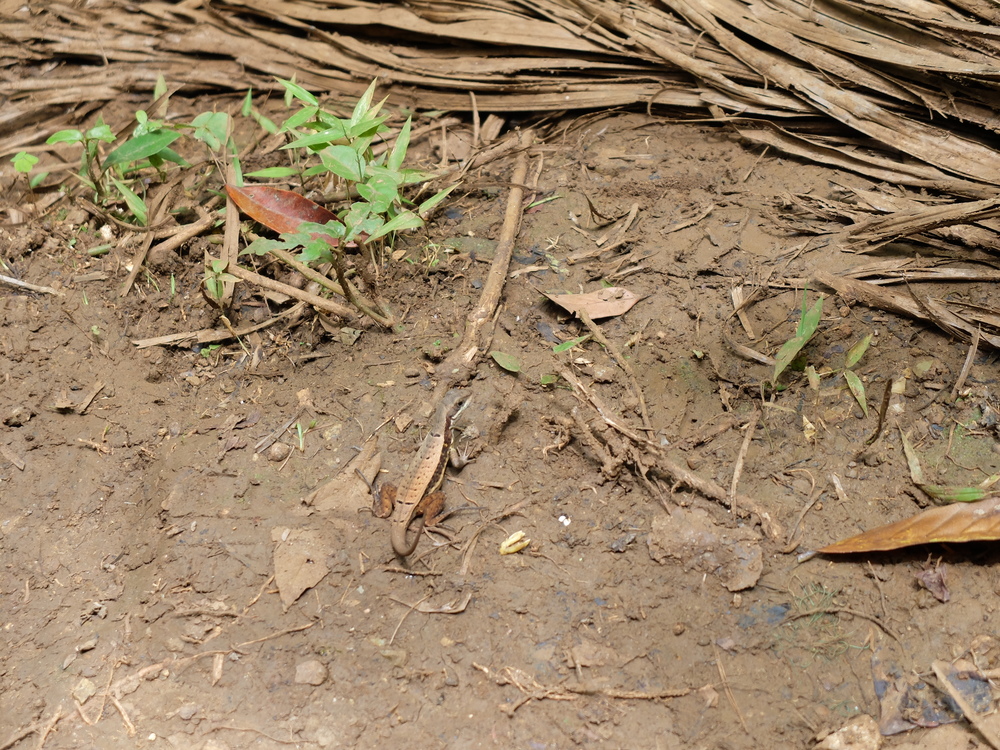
x: 264, y: 245
x: 160, y: 88
x: 23, y: 161
x: 65, y: 136
x: 344, y: 162
x: 810, y: 318
x: 857, y: 388
x: 366, y: 130
x: 274, y: 173
x: 413, y: 176
x: 439, y: 196
x: 37, y: 179
x: 142, y: 147
x: 405, y: 220
x: 791, y: 348
x: 169, y: 154
x: 402, y: 143
x: 361, y: 108
x: 565, y: 346
x: 856, y: 352
x: 237, y: 171
x: 133, y: 201
x: 316, y: 251
x: 211, y: 128
x: 293, y: 89
x: 247, y: 109
x: 265, y: 122
x: 550, y: 379
x: 299, y: 119
x: 325, y: 137
x: 100, y: 132
x: 506, y: 361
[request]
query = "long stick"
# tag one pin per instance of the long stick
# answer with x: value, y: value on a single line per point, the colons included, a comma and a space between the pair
x: 461, y: 362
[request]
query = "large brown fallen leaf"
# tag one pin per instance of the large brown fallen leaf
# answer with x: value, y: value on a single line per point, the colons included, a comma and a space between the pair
x: 961, y: 522
x: 604, y: 303
x: 277, y: 209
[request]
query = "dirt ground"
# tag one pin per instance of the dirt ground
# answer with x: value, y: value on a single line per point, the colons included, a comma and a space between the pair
x: 142, y: 523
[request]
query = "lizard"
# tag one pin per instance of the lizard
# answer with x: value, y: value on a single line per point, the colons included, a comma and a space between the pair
x: 419, y: 493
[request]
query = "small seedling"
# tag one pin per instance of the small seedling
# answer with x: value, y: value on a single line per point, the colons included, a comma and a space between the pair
x: 806, y: 329
x: 23, y: 164
x: 343, y: 147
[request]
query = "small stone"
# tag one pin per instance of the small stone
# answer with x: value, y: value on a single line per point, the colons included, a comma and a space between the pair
x: 679, y: 628
x: 412, y: 372
x: 187, y: 711
x: 175, y: 645
x: 278, y: 452
x: 310, y: 672
x: 84, y: 690
x: 88, y: 645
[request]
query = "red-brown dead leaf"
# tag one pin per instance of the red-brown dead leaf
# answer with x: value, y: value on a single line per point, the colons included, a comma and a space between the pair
x: 958, y: 522
x: 277, y: 209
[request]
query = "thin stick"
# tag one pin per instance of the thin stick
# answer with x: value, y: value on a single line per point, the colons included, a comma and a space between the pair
x: 462, y: 361
x: 315, y: 300
x: 670, y: 467
x: 971, y: 714
x: 738, y: 468
x: 30, y: 287
x: 838, y: 610
x: 49, y: 726
x: 403, y: 618
x: 622, y: 363
x: 969, y: 359
x: 728, y: 690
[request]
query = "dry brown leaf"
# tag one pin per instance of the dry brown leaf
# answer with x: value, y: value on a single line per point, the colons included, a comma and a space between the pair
x: 604, y: 303
x: 959, y: 522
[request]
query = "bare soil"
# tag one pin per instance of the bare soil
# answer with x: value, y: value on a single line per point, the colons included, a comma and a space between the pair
x: 140, y: 531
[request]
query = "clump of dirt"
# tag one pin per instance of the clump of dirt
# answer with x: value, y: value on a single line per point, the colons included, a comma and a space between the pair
x: 169, y: 574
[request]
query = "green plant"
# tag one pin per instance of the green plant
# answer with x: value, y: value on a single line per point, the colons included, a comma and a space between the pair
x: 805, y: 330
x: 23, y: 164
x: 343, y: 147
x: 147, y: 147
x: 216, y: 278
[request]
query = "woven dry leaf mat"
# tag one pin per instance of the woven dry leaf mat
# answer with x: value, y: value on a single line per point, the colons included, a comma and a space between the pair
x: 915, y: 82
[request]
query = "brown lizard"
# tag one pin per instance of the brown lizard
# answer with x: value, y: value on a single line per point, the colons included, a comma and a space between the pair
x: 420, y: 490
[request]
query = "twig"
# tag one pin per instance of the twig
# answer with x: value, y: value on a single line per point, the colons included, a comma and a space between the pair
x: 670, y: 467
x: 462, y: 361
x: 738, y: 468
x: 315, y: 300
x: 971, y: 714
x: 157, y: 203
x: 213, y: 335
x: 969, y: 359
x: 30, y: 287
x: 622, y: 363
x: 843, y: 610
x: 49, y: 726
x: 405, y: 615
x: 728, y: 690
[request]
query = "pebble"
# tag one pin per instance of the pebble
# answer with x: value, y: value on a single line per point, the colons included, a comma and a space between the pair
x: 312, y: 672
x: 278, y: 452
x: 187, y: 711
